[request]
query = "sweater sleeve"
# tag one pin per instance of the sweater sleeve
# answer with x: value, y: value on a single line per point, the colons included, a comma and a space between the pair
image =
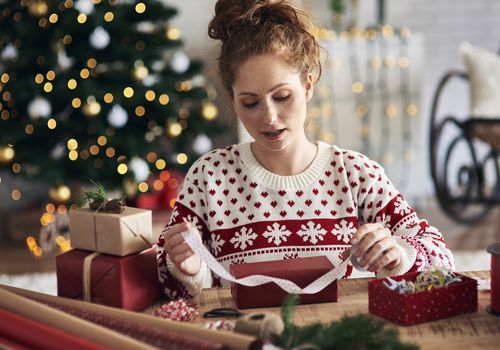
x: 422, y: 245
x: 189, y: 206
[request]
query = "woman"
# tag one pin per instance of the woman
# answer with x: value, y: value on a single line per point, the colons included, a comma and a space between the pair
x: 282, y: 196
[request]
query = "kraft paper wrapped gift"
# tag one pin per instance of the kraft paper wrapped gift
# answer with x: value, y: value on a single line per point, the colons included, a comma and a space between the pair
x: 117, y: 234
x: 129, y: 282
x: 419, y: 307
x: 301, y: 271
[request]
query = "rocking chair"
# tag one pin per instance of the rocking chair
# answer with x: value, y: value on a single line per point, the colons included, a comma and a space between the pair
x: 465, y: 172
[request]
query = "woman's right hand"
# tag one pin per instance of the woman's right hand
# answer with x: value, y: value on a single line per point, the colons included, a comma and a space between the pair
x: 179, y: 252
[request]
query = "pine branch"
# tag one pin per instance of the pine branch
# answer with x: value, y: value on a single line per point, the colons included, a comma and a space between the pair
x: 350, y: 332
x: 98, y: 195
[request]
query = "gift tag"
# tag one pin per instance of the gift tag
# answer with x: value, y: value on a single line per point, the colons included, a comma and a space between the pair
x: 257, y: 280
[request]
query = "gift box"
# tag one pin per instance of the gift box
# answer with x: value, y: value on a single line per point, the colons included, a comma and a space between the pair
x: 409, y: 309
x: 112, y: 233
x: 152, y: 201
x: 129, y: 282
x: 301, y: 271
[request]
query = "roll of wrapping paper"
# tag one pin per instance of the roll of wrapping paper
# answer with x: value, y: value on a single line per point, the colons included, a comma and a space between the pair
x: 494, y: 250
x: 13, y: 328
x: 44, y: 314
x: 229, y: 339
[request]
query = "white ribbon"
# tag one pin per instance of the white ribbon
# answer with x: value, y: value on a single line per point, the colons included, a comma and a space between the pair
x: 257, y: 280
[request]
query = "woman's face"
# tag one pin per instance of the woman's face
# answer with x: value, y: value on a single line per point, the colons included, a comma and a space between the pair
x: 270, y: 99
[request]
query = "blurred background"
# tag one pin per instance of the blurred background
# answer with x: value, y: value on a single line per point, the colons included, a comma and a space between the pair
x: 126, y: 93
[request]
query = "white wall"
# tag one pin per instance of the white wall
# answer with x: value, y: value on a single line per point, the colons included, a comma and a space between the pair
x: 443, y: 24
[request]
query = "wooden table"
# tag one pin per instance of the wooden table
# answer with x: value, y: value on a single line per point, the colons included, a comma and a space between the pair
x: 479, y: 330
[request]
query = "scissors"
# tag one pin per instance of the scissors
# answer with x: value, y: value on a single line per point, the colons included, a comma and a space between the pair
x: 222, y: 312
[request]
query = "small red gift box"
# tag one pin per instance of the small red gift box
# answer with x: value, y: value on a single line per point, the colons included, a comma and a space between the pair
x: 409, y: 309
x: 129, y: 282
x: 301, y: 271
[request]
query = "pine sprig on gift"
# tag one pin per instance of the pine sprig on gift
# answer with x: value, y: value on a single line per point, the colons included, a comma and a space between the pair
x: 98, y: 195
x: 350, y: 332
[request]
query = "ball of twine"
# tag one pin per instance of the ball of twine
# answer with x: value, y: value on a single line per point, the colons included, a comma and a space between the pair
x: 265, y: 326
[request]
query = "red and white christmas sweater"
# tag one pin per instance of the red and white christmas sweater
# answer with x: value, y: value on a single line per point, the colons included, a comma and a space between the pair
x: 246, y: 213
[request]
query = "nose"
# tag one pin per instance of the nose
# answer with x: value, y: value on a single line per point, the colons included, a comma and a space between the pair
x: 270, y: 114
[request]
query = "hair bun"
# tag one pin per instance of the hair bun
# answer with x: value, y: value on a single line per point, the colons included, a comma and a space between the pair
x: 233, y: 15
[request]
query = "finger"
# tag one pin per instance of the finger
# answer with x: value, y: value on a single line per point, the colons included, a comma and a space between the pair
x: 363, y: 230
x: 345, y: 254
x: 174, y: 235
x: 179, y: 227
x: 392, y: 257
x: 369, y: 239
x: 377, y: 250
x: 181, y: 248
x: 180, y: 258
x: 174, y: 240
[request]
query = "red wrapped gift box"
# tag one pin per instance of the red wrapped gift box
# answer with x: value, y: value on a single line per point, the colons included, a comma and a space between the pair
x: 425, y: 306
x: 151, y: 201
x: 129, y: 282
x: 301, y: 271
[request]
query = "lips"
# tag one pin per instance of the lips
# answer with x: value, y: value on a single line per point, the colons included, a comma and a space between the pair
x: 274, y: 134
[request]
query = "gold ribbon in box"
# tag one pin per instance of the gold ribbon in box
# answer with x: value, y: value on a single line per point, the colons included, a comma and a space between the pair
x: 128, y: 232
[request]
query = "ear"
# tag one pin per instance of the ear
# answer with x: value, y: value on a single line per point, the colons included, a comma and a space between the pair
x: 309, y: 87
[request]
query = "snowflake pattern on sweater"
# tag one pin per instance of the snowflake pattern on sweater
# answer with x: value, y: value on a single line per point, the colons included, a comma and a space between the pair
x: 246, y: 213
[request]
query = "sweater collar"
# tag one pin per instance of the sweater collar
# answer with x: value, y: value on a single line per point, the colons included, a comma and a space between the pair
x: 292, y: 182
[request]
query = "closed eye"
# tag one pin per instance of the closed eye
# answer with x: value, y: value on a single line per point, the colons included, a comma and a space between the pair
x: 282, y: 98
x: 250, y: 105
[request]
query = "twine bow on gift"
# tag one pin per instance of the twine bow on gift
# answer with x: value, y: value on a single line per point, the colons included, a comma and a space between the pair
x: 109, y: 206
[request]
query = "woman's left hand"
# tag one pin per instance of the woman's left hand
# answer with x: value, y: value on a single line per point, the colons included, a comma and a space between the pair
x: 375, y: 247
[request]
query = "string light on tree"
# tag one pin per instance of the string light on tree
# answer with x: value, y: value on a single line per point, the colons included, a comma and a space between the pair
x: 140, y: 8
x: 140, y: 71
x: 182, y: 158
x: 209, y: 110
x: 6, y: 154
x: 173, y: 33
x: 174, y: 129
x: 38, y: 8
x: 60, y: 193
x: 92, y: 107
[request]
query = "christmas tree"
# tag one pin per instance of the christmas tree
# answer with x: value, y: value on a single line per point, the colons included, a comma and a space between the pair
x: 98, y: 90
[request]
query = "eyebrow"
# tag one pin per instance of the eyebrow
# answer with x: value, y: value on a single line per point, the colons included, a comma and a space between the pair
x: 270, y: 90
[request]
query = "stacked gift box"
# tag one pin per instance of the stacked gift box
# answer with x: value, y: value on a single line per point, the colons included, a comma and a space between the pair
x: 112, y: 261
